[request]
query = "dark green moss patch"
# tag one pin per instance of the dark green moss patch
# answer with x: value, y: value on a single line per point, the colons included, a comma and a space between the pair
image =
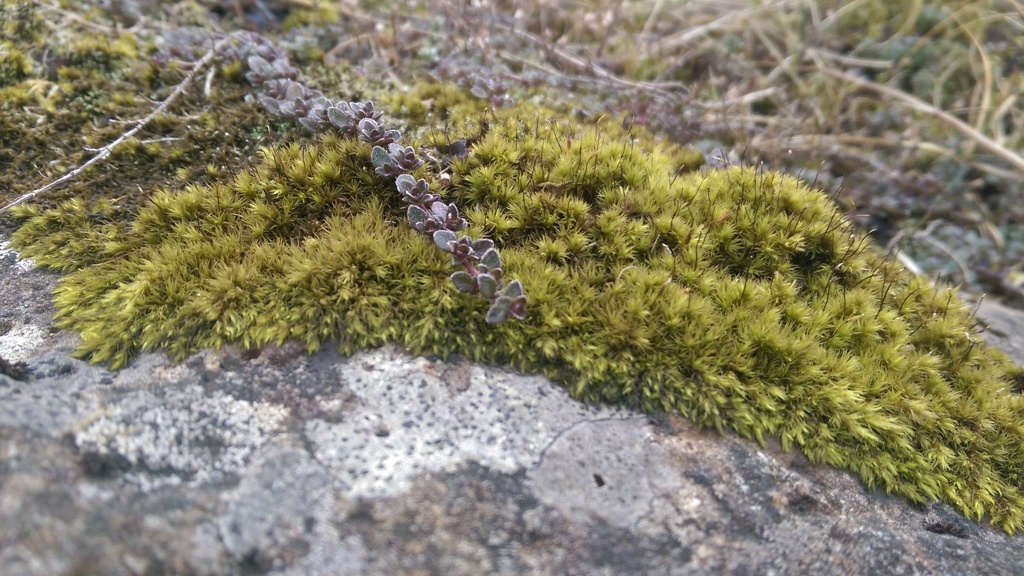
x: 740, y: 299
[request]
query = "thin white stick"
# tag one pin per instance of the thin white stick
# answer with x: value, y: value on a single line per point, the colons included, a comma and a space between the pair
x: 107, y: 150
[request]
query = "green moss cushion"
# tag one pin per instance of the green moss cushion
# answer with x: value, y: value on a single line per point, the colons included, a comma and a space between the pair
x: 741, y: 299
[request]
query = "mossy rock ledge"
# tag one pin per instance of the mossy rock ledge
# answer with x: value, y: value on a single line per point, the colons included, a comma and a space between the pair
x: 739, y: 298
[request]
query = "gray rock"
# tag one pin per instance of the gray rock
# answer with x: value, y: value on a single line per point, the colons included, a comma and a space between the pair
x: 384, y: 463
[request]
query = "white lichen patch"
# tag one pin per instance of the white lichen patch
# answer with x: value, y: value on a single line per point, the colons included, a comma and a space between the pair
x: 182, y: 437
x: 18, y: 344
x: 21, y: 265
x: 576, y: 478
x: 409, y: 421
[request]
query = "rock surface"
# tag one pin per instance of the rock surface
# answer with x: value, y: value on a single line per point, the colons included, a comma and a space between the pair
x: 383, y: 463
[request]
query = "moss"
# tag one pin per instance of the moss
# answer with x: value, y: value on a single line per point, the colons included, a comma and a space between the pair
x: 14, y: 64
x: 741, y: 299
x: 97, y: 53
x: 66, y: 93
x: 321, y: 15
x: 20, y: 21
x: 431, y: 104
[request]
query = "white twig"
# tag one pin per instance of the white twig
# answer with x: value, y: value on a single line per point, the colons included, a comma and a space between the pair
x: 106, y: 151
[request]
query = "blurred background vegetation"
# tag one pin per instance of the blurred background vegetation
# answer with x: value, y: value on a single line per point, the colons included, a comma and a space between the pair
x: 907, y: 112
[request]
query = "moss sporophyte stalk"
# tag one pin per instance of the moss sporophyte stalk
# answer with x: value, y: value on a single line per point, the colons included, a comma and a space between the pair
x: 741, y: 299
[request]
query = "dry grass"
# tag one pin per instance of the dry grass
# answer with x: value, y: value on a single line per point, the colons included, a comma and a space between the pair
x: 914, y: 112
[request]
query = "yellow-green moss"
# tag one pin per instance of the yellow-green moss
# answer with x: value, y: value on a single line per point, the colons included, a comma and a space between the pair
x: 319, y: 15
x: 20, y: 21
x: 97, y: 52
x: 14, y: 64
x: 740, y: 299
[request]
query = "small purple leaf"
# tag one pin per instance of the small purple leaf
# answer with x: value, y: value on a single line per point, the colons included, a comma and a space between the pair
x: 438, y: 211
x: 405, y: 183
x: 272, y: 105
x: 444, y: 239
x: 488, y: 285
x: 452, y: 220
x: 482, y: 245
x: 464, y: 281
x: 387, y: 170
x: 258, y: 64
x: 338, y: 116
x: 514, y: 290
x: 479, y: 91
x: 498, y: 310
x: 418, y: 217
x: 295, y: 90
x: 379, y: 157
x: 490, y: 259
x: 517, y: 309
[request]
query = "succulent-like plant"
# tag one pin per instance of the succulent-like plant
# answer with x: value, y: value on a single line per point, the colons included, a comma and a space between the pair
x: 283, y: 94
x: 394, y: 161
